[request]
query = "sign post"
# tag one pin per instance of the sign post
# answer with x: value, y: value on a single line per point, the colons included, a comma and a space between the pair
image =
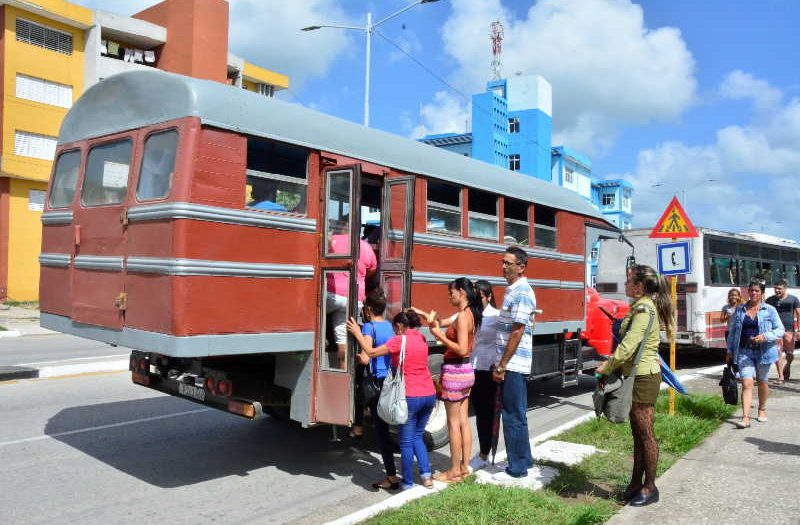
x: 673, y: 260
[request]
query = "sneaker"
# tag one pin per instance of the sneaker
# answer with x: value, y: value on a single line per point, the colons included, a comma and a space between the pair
x: 478, y: 462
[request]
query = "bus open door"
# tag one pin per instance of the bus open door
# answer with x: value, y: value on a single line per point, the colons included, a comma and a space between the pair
x: 397, y: 233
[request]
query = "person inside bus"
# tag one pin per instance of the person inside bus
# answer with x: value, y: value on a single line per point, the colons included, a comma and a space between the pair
x: 420, y: 392
x: 651, y: 306
x: 375, y: 332
x: 753, y: 346
x: 726, y: 315
x: 338, y: 285
x: 457, y: 376
x: 263, y: 196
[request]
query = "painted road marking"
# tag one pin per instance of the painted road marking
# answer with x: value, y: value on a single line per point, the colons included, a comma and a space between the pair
x: 104, y: 427
x: 74, y: 359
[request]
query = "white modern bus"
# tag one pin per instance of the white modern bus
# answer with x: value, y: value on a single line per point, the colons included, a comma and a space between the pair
x: 719, y: 261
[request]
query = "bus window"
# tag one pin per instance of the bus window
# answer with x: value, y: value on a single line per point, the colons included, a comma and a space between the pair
x: 721, y: 247
x: 749, y: 250
x: 337, y: 224
x: 444, y: 208
x: 767, y: 273
x: 106, y: 178
x: 544, y: 219
x: 158, y: 164
x: 335, y: 310
x: 790, y: 274
x: 516, y: 222
x: 722, y: 271
x: 482, y: 214
x: 65, y: 179
x: 749, y: 271
x: 277, y: 177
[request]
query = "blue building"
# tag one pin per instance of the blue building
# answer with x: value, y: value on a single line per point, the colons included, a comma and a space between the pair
x: 512, y: 126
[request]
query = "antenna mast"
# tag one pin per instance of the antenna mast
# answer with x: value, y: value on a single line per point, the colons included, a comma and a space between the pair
x: 496, y: 36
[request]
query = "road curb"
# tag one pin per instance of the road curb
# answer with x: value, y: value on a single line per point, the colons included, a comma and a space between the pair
x: 9, y: 373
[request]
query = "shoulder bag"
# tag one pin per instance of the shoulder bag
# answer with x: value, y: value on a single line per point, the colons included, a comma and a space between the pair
x: 368, y: 388
x: 613, y: 396
x: 392, y: 406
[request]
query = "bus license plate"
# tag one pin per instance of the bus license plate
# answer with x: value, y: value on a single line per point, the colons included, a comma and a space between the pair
x: 192, y: 391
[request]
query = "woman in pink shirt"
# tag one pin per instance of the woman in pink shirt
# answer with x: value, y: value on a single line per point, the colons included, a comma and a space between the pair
x: 420, y: 392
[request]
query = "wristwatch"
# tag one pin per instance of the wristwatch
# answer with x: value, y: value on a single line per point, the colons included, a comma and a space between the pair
x: 500, y: 369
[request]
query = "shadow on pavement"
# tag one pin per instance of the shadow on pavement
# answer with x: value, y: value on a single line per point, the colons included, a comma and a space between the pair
x: 193, y: 448
x: 774, y: 447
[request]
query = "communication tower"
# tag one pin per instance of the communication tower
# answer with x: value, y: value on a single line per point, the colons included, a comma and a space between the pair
x: 496, y: 36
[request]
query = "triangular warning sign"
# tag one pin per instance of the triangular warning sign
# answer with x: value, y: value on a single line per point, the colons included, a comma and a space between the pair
x: 674, y: 223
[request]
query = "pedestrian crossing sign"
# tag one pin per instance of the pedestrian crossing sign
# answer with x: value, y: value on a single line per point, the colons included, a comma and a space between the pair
x: 674, y: 223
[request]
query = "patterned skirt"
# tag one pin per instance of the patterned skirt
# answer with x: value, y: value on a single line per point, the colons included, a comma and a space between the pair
x: 457, y: 381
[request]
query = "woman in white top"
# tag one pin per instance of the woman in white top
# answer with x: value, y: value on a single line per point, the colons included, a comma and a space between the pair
x: 484, y: 391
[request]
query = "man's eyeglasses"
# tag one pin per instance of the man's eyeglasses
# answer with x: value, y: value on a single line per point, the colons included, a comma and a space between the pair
x: 508, y: 263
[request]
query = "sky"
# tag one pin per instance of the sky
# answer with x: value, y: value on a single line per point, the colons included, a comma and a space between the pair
x: 675, y: 96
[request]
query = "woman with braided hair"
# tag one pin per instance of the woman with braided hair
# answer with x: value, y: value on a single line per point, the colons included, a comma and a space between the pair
x: 651, y: 307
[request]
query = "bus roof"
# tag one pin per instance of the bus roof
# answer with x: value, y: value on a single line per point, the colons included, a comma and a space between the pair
x: 137, y: 99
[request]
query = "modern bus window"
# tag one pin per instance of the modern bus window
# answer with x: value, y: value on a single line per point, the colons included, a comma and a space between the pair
x: 277, y: 176
x: 791, y: 275
x: 544, y: 219
x: 158, y: 164
x: 107, y: 170
x: 483, y: 221
x: 65, y: 179
x: 444, y: 208
x: 337, y: 221
x: 335, y: 310
x: 516, y: 222
x: 723, y: 271
x: 750, y: 270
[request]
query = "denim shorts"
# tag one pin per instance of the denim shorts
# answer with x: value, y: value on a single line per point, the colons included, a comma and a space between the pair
x: 749, y: 367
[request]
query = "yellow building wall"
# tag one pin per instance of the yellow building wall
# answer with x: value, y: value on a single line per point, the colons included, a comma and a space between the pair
x: 26, y: 115
x: 265, y: 76
x: 25, y: 242
x: 25, y: 229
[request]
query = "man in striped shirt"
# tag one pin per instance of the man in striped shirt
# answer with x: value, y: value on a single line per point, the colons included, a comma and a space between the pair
x: 513, y: 361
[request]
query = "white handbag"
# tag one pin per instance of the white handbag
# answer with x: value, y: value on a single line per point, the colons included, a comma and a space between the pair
x: 392, y: 406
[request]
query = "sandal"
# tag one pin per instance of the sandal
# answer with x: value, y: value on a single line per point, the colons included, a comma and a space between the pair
x: 427, y: 483
x: 444, y: 478
x: 744, y: 424
x: 386, y: 484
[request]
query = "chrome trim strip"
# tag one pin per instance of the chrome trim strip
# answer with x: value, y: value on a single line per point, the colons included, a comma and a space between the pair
x: 57, y: 217
x: 99, y: 262
x: 186, y: 210
x: 445, y: 278
x: 481, y: 246
x: 183, y: 267
x: 184, y: 346
x: 58, y: 260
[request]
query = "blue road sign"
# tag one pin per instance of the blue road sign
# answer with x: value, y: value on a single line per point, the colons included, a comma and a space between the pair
x: 673, y: 258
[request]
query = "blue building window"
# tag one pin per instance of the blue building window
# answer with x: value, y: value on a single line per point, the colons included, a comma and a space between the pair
x: 513, y: 162
x: 513, y: 125
x: 608, y: 199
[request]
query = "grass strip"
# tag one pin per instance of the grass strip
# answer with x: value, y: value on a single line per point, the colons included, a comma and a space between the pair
x: 23, y: 304
x: 587, y: 493
x: 3, y: 328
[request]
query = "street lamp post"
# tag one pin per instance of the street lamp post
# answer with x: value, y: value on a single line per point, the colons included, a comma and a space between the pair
x: 368, y: 29
x: 684, y: 190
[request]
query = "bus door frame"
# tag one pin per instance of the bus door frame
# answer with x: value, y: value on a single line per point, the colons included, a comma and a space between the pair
x: 333, y: 388
x: 393, y: 266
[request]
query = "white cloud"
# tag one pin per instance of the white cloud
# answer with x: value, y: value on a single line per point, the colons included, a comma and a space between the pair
x: 445, y: 114
x: 738, y: 85
x: 755, y: 168
x: 606, y: 68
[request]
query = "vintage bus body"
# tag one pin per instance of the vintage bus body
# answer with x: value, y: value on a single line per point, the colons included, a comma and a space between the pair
x: 150, y: 242
x: 719, y: 261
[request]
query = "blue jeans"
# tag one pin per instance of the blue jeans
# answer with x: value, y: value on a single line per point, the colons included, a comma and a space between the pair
x: 515, y: 424
x: 411, y: 442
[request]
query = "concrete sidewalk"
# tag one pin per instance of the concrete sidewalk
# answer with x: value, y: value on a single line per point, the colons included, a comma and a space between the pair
x: 736, y: 475
x: 20, y: 321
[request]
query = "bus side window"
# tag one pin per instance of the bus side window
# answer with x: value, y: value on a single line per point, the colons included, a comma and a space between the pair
x: 158, y: 164
x: 277, y: 176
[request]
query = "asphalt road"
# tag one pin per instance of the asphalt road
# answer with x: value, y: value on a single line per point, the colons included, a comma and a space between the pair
x: 97, y: 449
x: 39, y: 349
